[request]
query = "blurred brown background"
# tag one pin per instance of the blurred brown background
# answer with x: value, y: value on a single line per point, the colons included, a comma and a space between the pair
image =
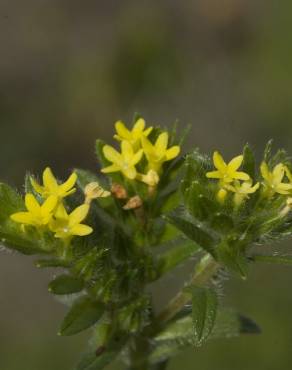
x: 69, y: 69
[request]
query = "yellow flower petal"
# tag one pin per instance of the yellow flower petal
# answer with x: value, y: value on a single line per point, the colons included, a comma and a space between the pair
x: 49, y: 179
x: 148, y: 147
x: 265, y: 171
x: 130, y: 172
x: 61, y: 212
x: 112, y: 168
x: 162, y: 142
x: 214, y: 175
x: 219, y: 161
x: 32, y: 204
x: 127, y: 151
x: 49, y: 205
x: 68, y: 185
x: 241, y: 176
x: 123, y: 132
x: 81, y: 230
x: 37, y: 187
x: 279, y: 173
x: 78, y: 215
x: 235, y: 163
x: 139, y: 126
x: 112, y: 155
x: 23, y: 218
x: 137, y: 157
x: 148, y: 131
x: 172, y: 153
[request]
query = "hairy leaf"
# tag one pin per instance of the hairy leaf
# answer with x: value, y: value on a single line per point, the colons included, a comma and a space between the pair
x: 66, y: 284
x: 204, y: 303
x: 193, y: 232
x: 83, y: 314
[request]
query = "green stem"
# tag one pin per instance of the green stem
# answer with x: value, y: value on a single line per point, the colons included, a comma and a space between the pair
x: 205, y: 270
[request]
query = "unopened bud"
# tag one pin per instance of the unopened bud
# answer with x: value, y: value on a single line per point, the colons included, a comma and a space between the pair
x: 119, y: 192
x: 151, y: 178
x: 93, y: 191
x: 133, y: 203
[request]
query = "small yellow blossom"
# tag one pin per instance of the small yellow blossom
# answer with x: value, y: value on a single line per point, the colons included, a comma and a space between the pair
x: 242, y: 190
x: 65, y: 225
x: 227, y: 173
x: 124, y: 162
x: 151, y: 178
x: 51, y: 186
x: 273, y: 180
x: 134, y: 136
x: 158, y: 153
x: 93, y: 191
x: 36, y: 215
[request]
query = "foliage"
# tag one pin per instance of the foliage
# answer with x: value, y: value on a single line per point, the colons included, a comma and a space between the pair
x: 153, y: 209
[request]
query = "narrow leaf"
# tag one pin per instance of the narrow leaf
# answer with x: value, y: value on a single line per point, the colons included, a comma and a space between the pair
x: 66, y: 284
x: 177, y: 255
x: 83, y: 314
x: 204, y: 303
x: 279, y: 260
x: 249, y: 164
x: 193, y: 232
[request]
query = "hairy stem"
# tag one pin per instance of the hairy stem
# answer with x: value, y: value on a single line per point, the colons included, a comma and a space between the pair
x: 206, y: 269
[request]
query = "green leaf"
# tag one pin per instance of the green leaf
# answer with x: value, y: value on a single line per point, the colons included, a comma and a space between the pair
x: 51, y: 262
x: 204, y: 303
x: 10, y: 202
x: 276, y: 259
x: 200, y: 206
x: 92, y: 361
x: 249, y: 164
x: 193, y: 232
x: 178, y: 335
x: 83, y: 314
x: 183, y: 250
x: 66, y: 284
x: 85, y: 177
x: 268, y: 151
x: 99, y: 152
x: 233, y: 259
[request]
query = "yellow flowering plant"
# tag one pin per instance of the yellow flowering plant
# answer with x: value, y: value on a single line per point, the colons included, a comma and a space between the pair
x: 115, y: 233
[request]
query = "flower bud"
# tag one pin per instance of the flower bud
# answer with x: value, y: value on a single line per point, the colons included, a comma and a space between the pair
x: 93, y: 191
x: 118, y: 191
x: 133, y: 203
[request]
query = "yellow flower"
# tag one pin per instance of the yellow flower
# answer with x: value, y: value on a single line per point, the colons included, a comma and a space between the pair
x: 65, y: 225
x: 134, y: 136
x: 274, y: 179
x: 158, y: 153
x: 36, y: 215
x: 124, y: 162
x: 51, y: 186
x: 227, y: 173
x: 93, y: 191
x: 242, y: 190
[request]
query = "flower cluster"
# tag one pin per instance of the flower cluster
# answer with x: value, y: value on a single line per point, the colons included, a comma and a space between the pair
x: 51, y: 213
x: 135, y: 145
x: 230, y: 179
x: 277, y: 180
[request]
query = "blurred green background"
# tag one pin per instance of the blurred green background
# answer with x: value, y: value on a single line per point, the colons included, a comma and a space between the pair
x: 70, y: 69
